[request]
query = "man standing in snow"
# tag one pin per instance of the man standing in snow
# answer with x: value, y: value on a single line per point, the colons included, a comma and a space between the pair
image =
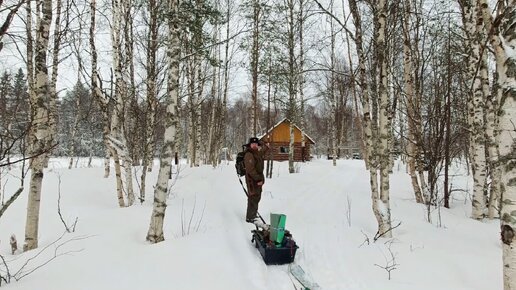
x: 254, y: 178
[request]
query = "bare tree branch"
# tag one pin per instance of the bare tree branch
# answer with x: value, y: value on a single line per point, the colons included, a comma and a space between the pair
x: 8, y: 20
x: 390, y: 263
x: 6, y: 279
x: 343, y: 25
x: 378, y: 235
x: 67, y: 228
x: 10, y: 201
x: 23, y: 272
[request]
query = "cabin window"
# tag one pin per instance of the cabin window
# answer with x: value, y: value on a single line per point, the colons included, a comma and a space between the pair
x: 283, y: 149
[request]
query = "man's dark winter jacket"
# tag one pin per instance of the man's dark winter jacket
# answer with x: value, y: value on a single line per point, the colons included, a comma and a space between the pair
x: 253, y: 160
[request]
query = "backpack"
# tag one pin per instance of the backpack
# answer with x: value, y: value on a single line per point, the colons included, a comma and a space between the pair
x: 239, y: 164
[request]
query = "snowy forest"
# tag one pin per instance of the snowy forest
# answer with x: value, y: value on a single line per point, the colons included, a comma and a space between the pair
x: 147, y: 101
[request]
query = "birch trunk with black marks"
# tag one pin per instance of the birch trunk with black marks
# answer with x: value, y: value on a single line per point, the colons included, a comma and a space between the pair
x: 292, y: 80
x: 507, y: 147
x: 291, y: 147
x: 487, y: 131
x: 98, y: 95
x: 131, y: 128
x: 117, y: 138
x: 384, y: 127
x: 198, y: 130
x: 30, y: 48
x: 213, y: 149
x: 212, y: 125
x: 268, y: 123
x: 152, y: 100
x: 192, y: 118
x: 333, y: 96
x: 255, y: 54
x: 58, y: 35
x: 130, y: 98
x: 78, y: 112
x: 217, y: 111
x: 364, y: 88
x: 376, y: 151
x: 301, y: 77
x: 354, y: 90
x: 155, y: 233
x: 222, y: 132
x: 195, y: 90
x: 419, y: 87
x: 411, y: 103
x: 502, y: 36
x: 214, y: 94
x: 475, y: 107
x: 39, y: 102
x: 73, y: 131
x: 492, y: 110
x: 116, y: 129
x: 492, y: 107
x: 202, y: 69
x: 481, y: 92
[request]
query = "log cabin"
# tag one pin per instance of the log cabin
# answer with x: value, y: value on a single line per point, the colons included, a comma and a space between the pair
x: 278, y: 138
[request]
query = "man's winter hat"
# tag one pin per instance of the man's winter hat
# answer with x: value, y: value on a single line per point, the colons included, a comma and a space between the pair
x: 254, y: 140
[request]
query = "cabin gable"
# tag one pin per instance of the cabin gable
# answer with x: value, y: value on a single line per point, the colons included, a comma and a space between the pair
x: 278, y: 138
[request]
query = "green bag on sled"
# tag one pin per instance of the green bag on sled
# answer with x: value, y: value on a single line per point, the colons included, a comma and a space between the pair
x: 277, y: 228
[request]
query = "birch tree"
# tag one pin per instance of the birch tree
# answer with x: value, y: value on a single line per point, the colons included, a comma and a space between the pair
x: 413, y: 118
x: 75, y: 123
x: 29, y: 48
x: 475, y: 106
x: 104, y: 101
x: 255, y: 58
x: 492, y: 106
x: 132, y: 114
x: 377, y: 151
x: 117, y: 137
x: 493, y: 98
x: 384, y: 120
x: 333, y: 95
x: 502, y: 37
x: 196, y: 67
x: 213, y: 125
x: 40, y: 102
x: 220, y: 138
x: 301, y: 77
x: 99, y: 95
x: 78, y: 115
x: 292, y: 76
x: 152, y: 99
x: 217, y: 129
x: 155, y: 233
x: 58, y: 36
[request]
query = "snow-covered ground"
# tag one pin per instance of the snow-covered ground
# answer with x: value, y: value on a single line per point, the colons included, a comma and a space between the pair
x: 208, y: 243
